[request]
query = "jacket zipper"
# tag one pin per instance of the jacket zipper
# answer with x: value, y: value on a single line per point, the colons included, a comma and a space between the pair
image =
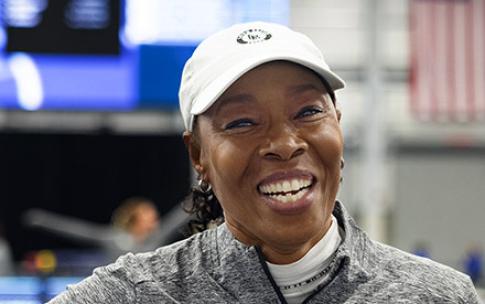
x: 270, y: 277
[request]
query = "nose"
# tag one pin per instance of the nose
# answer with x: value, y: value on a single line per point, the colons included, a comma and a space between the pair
x: 283, y: 143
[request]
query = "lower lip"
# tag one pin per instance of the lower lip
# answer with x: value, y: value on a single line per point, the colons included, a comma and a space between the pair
x: 295, y: 207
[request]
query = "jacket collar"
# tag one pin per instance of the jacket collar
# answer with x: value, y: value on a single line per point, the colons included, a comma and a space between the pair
x: 238, y: 270
x: 351, y: 268
x: 235, y: 262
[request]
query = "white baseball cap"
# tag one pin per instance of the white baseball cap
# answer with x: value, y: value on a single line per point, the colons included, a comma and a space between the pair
x: 225, y: 56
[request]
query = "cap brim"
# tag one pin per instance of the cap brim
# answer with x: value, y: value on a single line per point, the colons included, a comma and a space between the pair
x: 215, y: 89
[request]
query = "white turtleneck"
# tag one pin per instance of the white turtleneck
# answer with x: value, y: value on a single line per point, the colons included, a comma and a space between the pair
x: 299, y: 279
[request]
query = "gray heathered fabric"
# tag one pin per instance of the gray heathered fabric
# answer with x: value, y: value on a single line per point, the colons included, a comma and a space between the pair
x: 213, y: 267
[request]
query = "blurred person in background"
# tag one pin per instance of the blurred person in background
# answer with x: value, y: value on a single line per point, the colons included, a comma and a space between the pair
x: 135, y: 227
x: 6, y: 260
x: 421, y: 250
x: 263, y: 133
x: 473, y: 263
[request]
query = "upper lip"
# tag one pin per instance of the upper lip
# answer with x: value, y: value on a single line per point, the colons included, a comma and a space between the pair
x: 286, y: 175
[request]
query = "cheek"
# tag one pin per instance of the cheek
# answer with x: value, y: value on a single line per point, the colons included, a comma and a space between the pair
x: 229, y: 174
x: 227, y: 164
x: 329, y: 144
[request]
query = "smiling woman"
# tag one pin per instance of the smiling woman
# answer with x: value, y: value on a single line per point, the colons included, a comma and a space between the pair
x: 271, y: 148
x: 263, y: 133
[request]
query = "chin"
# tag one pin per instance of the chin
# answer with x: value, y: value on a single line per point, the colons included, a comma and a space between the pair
x: 291, y: 232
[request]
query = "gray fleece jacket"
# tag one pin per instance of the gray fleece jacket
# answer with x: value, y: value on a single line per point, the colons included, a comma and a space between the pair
x: 213, y: 267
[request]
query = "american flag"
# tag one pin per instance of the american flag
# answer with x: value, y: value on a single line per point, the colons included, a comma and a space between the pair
x: 447, y: 60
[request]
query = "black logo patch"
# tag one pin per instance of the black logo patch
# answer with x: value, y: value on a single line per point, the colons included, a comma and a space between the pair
x: 253, y: 36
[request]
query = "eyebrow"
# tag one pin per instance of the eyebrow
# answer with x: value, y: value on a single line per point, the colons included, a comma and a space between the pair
x: 238, y: 98
x: 243, y: 98
x: 299, y: 89
x: 234, y: 99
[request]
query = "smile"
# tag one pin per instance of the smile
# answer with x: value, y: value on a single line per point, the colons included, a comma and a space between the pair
x: 286, y: 191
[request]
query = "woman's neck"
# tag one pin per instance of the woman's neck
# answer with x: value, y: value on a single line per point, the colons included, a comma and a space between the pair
x: 277, y: 252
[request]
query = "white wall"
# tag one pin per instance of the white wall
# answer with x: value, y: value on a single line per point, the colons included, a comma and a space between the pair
x: 441, y: 200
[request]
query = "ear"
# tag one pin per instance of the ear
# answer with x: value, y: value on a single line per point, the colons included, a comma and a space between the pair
x: 339, y: 114
x: 193, y: 147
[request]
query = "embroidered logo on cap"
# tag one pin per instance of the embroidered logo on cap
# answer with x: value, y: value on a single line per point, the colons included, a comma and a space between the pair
x: 253, y: 36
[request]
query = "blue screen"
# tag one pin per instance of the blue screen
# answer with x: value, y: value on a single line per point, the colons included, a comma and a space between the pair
x: 155, y: 40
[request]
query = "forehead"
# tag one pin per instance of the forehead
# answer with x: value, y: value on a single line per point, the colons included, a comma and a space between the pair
x: 280, y: 71
x: 277, y: 77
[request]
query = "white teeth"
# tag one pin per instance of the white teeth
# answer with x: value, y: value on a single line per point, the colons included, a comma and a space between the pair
x: 285, y: 191
x: 289, y: 198
x: 281, y: 198
x: 287, y: 186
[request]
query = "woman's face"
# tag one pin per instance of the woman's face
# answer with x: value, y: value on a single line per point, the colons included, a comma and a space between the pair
x: 271, y: 148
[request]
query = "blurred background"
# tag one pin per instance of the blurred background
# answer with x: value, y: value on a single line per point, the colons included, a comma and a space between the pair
x: 92, y: 162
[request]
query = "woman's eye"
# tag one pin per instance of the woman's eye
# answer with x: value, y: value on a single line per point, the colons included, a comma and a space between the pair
x: 240, y: 123
x: 308, y: 111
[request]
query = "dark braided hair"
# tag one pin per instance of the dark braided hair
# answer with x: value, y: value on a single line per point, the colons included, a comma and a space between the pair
x: 201, y: 202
